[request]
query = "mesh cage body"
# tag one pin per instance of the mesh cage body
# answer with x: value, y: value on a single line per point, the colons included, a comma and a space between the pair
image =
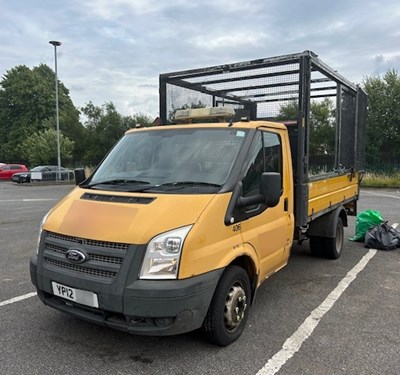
x: 285, y: 88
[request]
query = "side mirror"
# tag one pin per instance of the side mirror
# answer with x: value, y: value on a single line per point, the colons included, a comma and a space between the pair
x: 270, y: 191
x: 271, y: 188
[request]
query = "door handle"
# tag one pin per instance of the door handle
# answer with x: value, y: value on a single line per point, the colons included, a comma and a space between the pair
x: 286, y: 204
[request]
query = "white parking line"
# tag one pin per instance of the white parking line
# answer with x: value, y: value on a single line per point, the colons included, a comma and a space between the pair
x: 17, y: 299
x: 293, y: 343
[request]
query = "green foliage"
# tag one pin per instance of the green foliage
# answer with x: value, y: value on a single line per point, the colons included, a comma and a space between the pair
x: 138, y: 120
x: 41, y: 148
x: 288, y: 111
x: 383, y: 116
x: 381, y: 180
x: 104, y: 127
x: 322, y: 132
x: 27, y: 106
x: 28, y: 121
x: 322, y: 124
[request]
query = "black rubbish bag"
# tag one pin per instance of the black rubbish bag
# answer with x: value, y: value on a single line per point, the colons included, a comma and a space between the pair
x: 382, y: 237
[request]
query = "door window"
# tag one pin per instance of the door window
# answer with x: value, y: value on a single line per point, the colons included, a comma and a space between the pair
x: 265, y: 156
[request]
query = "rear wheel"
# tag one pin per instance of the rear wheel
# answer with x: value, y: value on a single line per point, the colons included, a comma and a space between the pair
x: 316, y: 246
x: 229, y: 308
x: 334, y: 246
x: 328, y: 247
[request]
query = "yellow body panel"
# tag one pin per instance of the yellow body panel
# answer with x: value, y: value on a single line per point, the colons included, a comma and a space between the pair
x: 331, y: 191
x: 211, y: 244
x: 122, y: 222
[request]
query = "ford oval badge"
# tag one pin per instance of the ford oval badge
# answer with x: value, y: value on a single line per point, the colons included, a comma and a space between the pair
x: 76, y: 256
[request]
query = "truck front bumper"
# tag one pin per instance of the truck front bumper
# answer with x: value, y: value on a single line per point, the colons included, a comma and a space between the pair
x: 144, y: 307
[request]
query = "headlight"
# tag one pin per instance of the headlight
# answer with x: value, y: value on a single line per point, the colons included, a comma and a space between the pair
x: 163, y: 254
x: 40, y: 231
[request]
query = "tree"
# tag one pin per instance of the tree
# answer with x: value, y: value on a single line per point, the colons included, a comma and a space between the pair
x: 27, y: 106
x: 104, y: 127
x: 288, y: 111
x: 40, y: 148
x: 138, y: 120
x: 383, y: 115
x: 322, y: 124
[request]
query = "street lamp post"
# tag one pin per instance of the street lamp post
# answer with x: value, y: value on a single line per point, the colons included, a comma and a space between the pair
x: 56, y: 44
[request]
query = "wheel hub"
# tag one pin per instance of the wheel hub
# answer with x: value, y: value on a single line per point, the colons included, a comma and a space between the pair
x: 235, y: 307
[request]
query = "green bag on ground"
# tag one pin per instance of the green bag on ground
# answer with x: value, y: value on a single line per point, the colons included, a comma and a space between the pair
x: 364, y: 221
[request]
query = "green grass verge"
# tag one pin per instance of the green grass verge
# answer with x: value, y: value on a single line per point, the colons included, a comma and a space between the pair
x: 383, y: 180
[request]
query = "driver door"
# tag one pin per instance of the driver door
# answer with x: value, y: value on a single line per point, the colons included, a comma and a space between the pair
x: 267, y: 230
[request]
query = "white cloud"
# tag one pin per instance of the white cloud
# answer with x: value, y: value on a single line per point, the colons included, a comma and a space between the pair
x: 111, y: 10
x: 230, y: 40
x: 385, y: 61
x: 117, y: 33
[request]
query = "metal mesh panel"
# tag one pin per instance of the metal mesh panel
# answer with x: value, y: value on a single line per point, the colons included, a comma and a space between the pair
x: 182, y: 98
x: 347, y: 129
x: 361, y: 114
x: 322, y: 127
x: 259, y: 90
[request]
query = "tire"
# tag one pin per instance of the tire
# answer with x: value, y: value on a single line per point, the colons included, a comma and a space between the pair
x: 330, y: 248
x: 334, y: 246
x: 229, y: 308
x: 316, y: 246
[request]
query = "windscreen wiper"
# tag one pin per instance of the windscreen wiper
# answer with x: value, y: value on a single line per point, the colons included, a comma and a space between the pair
x: 119, y: 181
x: 180, y: 185
x: 190, y: 183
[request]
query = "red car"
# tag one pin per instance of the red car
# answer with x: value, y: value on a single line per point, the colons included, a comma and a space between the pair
x: 7, y: 170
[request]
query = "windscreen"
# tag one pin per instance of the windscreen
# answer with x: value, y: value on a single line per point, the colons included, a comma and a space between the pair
x: 172, y: 156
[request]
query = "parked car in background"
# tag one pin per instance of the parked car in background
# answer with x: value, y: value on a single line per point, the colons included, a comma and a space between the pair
x: 8, y: 170
x: 43, y: 173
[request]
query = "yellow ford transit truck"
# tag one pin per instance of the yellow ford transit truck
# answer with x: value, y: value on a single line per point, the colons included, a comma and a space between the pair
x: 180, y: 224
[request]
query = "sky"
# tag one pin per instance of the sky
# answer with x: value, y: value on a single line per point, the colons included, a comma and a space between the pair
x: 114, y: 50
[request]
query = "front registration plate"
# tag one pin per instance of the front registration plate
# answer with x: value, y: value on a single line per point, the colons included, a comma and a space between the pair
x: 83, y: 297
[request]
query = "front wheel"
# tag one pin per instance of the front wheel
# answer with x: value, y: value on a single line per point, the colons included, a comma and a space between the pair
x: 229, y: 308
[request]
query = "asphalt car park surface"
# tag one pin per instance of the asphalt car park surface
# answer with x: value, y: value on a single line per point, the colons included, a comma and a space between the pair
x: 292, y: 323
